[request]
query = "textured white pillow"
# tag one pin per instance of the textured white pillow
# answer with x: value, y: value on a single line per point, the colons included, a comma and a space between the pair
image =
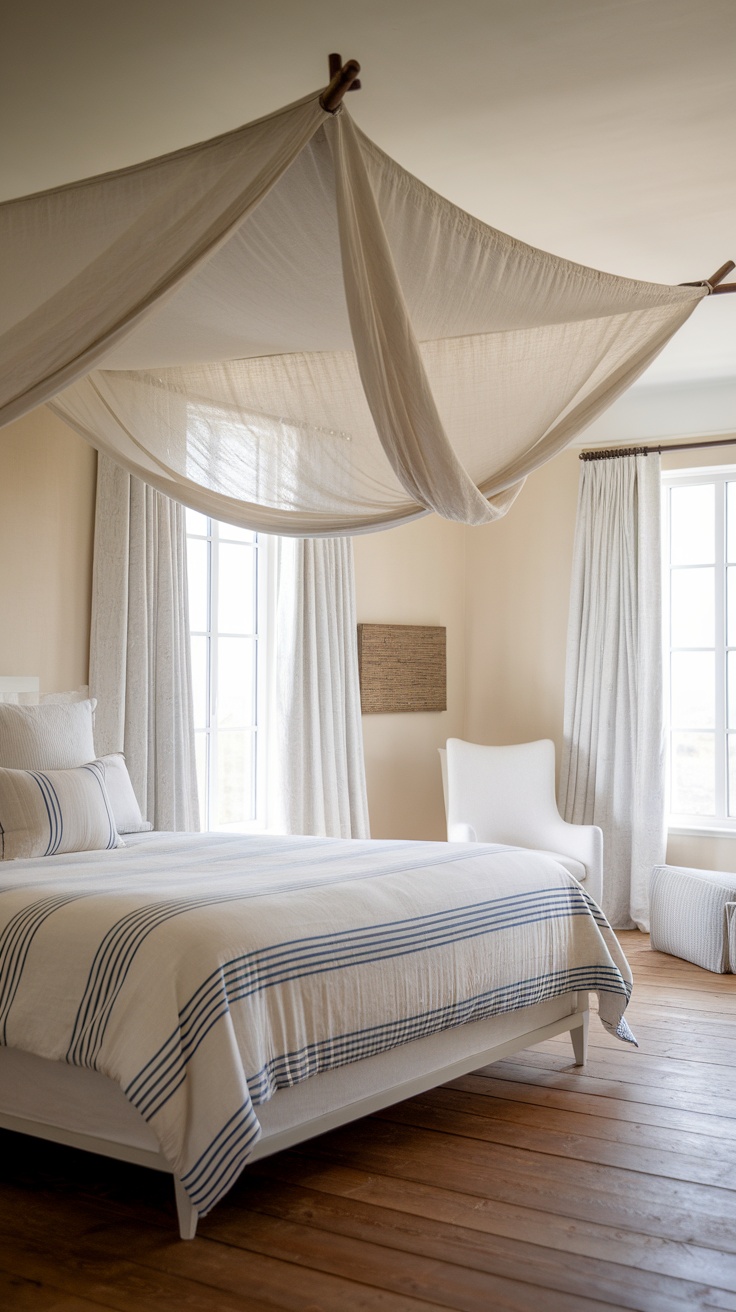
x: 124, y: 803
x: 50, y: 811
x: 61, y: 698
x: 46, y: 737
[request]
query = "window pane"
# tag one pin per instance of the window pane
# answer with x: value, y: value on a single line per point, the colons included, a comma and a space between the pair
x: 731, y: 606
x: 223, y: 563
x: 731, y: 521
x: 196, y: 523
x: 237, y: 594
x: 692, y: 525
x: 693, y: 774
x: 693, y: 690
x: 731, y: 689
x: 235, y: 682
x: 228, y: 533
x: 693, y: 612
x: 235, y: 793
x: 199, y: 681
x: 200, y: 756
x: 197, y: 554
x: 732, y: 775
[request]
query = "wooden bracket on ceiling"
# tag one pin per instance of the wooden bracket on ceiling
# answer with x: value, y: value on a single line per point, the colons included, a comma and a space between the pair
x: 713, y: 282
x: 343, y: 78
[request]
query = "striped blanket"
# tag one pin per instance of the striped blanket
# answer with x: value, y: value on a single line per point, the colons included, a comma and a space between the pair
x: 203, y: 972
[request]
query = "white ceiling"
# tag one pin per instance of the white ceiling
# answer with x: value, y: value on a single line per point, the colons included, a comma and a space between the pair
x: 603, y: 130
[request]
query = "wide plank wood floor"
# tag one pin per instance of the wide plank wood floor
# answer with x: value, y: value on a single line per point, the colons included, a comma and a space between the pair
x: 529, y: 1185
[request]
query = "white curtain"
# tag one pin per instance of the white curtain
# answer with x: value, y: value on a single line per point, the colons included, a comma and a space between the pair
x: 284, y: 329
x: 613, y: 764
x: 320, y: 770
x: 139, y: 647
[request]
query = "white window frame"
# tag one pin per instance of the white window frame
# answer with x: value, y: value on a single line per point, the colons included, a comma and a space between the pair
x: 217, y: 533
x: 719, y: 475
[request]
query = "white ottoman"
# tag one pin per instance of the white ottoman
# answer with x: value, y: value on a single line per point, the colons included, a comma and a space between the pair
x: 689, y: 915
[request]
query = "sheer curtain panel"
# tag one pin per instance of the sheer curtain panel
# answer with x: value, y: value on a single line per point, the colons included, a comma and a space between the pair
x: 320, y: 772
x: 613, y: 763
x: 139, y: 648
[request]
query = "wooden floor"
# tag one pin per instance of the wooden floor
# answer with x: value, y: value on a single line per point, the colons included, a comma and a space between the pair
x: 528, y: 1186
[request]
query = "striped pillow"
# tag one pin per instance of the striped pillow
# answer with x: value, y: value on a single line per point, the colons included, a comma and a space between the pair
x: 47, y: 737
x: 124, y: 803
x: 45, y: 812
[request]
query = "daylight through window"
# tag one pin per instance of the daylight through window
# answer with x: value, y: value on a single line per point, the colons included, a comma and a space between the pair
x: 227, y: 630
x: 700, y: 635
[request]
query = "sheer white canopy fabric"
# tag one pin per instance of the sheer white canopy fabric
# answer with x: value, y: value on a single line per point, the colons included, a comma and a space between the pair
x: 285, y: 329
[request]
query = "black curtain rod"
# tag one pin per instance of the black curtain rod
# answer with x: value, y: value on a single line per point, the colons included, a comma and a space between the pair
x: 613, y: 453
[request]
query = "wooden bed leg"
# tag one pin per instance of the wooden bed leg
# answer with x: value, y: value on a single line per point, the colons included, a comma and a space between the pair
x: 186, y: 1211
x: 579, y: 1038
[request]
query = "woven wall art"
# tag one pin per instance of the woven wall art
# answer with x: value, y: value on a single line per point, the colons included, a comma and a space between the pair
x: 402, y: 667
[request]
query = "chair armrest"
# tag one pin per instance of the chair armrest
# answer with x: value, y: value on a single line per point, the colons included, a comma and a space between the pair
x: 581, y: 841
x: 460, y: 833
x: 585, y: 843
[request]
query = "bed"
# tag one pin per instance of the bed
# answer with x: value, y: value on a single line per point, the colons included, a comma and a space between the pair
x: 195, y: 1002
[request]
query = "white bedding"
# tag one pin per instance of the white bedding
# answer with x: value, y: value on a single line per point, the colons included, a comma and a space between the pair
x: 203, y: 972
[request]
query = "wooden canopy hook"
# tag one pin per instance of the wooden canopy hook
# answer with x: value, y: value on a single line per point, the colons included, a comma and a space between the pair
x: 720, y: 274
x: 343, y: 77
x: 712, y: 282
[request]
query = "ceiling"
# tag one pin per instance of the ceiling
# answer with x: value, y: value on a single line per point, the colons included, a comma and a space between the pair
x: 602, y: 130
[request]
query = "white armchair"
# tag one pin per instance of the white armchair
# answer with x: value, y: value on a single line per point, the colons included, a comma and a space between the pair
x: 507, y: 795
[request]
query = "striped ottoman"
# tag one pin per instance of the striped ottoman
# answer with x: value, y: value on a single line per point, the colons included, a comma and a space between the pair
x: 690, y: 912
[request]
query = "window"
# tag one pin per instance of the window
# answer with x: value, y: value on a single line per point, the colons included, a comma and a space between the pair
x: 699, y: 525
x: 227, y: 578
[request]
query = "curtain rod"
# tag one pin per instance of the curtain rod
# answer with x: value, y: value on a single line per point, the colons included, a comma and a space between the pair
x: 612, y: 453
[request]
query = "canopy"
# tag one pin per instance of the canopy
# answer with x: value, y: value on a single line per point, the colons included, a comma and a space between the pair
x: 284, y: 329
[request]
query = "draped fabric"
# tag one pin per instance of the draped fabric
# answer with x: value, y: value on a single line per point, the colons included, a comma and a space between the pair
x: 139, y: 646
x: 613, y: 763
x: 283, y: 329
x: 320, y: 772
x: 83, y: 265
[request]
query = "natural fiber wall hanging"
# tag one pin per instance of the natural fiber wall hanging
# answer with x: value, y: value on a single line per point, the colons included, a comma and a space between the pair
x: 402, y: 667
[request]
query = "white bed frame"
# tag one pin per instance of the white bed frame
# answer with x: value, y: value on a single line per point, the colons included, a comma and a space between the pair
x: 81, y: 1108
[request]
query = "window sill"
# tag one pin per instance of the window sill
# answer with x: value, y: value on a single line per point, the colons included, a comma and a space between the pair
x: 702, y: 831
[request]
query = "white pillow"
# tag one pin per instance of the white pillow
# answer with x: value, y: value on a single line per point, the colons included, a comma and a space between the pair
x: 46, y: 737
x: 124, y: 803
x: 50, y: 811
x: 61, y: 698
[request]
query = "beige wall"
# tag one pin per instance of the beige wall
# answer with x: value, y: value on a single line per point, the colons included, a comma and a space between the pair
x: 518, y: 582
x: 47, y: 478
x: 502, y: 593
x: 413, y: 575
